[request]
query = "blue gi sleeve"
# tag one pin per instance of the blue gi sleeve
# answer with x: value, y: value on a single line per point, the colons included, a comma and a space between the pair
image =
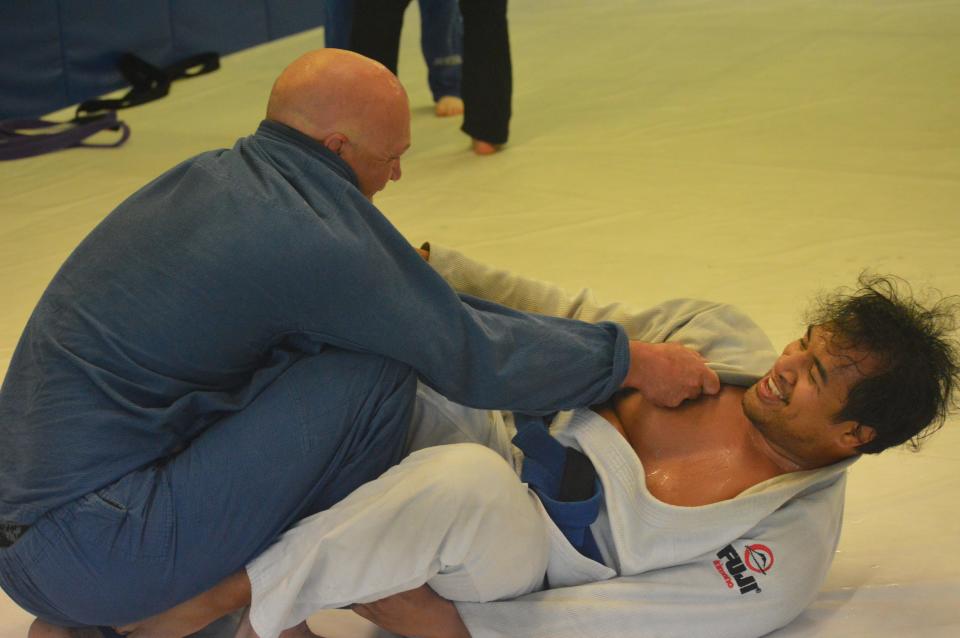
x: 339, y: 273
x: 369, y: 290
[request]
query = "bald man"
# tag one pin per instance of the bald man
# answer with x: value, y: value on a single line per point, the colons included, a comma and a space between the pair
x: 237, y: 347
x: 348, y: 104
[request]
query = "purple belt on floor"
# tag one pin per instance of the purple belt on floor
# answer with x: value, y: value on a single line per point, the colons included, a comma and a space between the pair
x: 15, y: 143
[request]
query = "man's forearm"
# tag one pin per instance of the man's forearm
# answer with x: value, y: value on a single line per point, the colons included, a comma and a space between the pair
x: 666, y: 374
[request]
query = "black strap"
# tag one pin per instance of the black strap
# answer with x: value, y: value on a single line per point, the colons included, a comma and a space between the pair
x: 563, y: 479
x: 148, y: 83
x: 579, y: 478
x: 193, y: 66
x: 10, y: 532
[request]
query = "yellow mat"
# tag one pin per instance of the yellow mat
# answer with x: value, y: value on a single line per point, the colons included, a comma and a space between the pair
x: 748, y: 151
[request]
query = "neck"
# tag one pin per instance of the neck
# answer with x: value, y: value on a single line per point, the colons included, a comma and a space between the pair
x: 767, y: 450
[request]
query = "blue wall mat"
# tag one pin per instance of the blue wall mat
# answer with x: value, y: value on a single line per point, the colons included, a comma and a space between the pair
x: 213, y: 26
x: 31, y: 61
x: 54, y: 53
x: 293, y: 16
x: 94, y: 33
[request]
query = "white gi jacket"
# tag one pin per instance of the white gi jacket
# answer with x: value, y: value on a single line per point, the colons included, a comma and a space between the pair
x: 737, y: 568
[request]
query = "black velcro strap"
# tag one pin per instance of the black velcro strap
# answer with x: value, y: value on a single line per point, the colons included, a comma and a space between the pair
x: 149, y: 83
x: 193, y: 66
x: 579, y: 477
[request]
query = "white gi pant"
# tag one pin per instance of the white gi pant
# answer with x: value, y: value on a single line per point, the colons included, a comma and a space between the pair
x: 454, y: 516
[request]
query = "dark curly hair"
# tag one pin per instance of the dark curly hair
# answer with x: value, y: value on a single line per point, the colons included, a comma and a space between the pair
x: 909, y: 394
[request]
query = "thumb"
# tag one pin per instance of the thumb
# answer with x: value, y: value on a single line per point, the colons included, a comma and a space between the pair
x: 711, y: 382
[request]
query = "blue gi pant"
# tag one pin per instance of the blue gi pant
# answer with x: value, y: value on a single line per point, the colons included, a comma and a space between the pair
x: 167, y: 532
x: 441, y: 36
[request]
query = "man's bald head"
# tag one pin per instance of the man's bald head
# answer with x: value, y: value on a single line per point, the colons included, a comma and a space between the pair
x: 352, y: 105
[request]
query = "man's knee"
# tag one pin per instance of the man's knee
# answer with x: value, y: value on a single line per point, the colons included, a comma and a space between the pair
x: 346, y: 370
x: 469, y: 480
x: 352, y: 412
x: 338, y: 389
x: 500, y: 548
x: 476, y: 475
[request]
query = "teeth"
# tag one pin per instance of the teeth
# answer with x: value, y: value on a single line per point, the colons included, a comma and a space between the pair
x: 773, y: 388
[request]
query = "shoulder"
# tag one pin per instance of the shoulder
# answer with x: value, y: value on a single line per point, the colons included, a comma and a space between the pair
x: 737, y: 348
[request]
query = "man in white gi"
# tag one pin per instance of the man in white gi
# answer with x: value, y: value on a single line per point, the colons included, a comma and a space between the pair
x: 718, y: 518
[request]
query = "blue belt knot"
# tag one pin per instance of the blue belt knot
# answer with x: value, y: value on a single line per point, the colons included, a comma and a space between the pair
x: 565, y: 481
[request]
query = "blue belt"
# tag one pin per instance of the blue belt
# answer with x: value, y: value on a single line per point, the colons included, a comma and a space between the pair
x: 565, y: 481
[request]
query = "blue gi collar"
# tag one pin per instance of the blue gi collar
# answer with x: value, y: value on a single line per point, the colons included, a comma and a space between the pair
x: 277, y: 132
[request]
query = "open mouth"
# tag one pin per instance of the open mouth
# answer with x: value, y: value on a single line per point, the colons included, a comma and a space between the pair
x: 769, y: 391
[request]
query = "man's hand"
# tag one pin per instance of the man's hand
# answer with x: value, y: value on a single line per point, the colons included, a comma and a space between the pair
x: 667, y: 374
x: 418, y: 613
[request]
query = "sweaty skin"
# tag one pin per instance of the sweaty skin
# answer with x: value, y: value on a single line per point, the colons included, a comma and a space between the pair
x: 713, y: 447
x: 701, y: 452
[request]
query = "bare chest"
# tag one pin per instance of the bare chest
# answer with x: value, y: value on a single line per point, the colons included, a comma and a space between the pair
x: 697, y: 454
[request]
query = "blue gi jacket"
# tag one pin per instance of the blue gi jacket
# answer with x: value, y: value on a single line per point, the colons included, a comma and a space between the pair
x: 206, y: 284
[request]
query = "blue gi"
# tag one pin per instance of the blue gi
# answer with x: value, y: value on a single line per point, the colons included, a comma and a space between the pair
x: 234, y: 348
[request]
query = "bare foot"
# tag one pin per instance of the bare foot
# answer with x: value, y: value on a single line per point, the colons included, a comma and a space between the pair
x: 485, y: 148
x: 448, y: 105
x: 193, y: 615
x: 300, y: 631
x: 245, y: 629
x: 42, y: 629
x: 182, y: 620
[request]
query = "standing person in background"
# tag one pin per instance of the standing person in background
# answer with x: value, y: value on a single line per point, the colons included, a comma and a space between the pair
x: 487, y: 79
x: 441, y: 40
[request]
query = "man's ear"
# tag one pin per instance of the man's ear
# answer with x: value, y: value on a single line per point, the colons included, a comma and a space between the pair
x: 856, y: 434
x: 335, y: 141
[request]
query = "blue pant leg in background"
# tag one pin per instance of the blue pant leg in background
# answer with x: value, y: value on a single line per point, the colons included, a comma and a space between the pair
x: 165, y: 533
x: 376, y: 26
x: 441, y: 38
x: 337, y: 23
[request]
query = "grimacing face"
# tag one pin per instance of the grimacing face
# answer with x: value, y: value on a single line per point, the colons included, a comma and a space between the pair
x: 795, y: 405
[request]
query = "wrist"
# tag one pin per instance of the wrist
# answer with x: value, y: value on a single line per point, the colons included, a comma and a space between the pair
x: 638, y: 354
